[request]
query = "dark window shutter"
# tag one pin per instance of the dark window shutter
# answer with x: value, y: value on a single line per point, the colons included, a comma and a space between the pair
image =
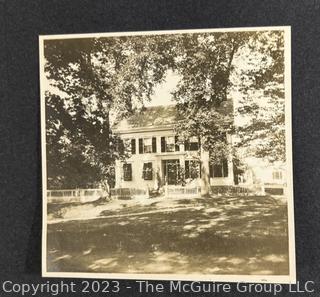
x: 211, y: 170
x: 163, y: 144
x: 144, y: 170
x: 150, y: 171
x: 120, y: 146
x: 186, y: 145
x: 133, y: 146
x: 186, y: 168
x: 154, y: 144
x: 225, y: 167
x: 140, y: 146
x: 130, y: 171
x: 177, y: 147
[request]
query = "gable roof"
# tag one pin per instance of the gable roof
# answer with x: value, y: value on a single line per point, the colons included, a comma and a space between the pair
x: 162, y: 115
x: 158, y: 116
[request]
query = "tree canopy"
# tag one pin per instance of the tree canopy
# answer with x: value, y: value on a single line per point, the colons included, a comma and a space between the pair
x: 95, y: 82
x: 262, y: 103
x: 99, y: 81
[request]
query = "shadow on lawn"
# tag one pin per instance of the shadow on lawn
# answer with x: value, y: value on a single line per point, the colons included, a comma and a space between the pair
x: 215, y: 236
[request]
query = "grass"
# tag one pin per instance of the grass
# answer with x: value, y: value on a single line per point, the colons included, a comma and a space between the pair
x: 218, y: 235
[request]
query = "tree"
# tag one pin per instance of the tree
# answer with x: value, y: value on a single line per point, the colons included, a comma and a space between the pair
x: 204, y: 63
x: 99, y: 81
x: 102, y: 80
x: 263, y: 98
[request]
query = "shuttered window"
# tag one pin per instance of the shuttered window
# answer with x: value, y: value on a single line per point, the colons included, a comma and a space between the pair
x: 191, y: 144
x: 147, y: 171
x: 127, y: 172
x: 169, y: 144
x: 220, y: 169
x: 147, y: 145
x: 192, y: 169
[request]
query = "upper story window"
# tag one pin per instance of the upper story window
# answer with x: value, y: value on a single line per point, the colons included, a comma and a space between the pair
x: 147, y: 145
x: 219, y: 169
x: 169, y: 144
x: 191, y: 144
x: 128, y: 145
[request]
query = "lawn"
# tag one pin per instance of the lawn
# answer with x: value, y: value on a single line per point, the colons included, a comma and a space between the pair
x: 217, y: 235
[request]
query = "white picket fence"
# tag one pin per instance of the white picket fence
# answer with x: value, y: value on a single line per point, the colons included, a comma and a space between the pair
x: 180, y: 191
x: 128, y: 193
x: 169, y: 192
x: 74, y: 195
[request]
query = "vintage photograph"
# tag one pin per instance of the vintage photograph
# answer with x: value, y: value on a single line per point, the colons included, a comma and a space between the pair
x: 168, y: 155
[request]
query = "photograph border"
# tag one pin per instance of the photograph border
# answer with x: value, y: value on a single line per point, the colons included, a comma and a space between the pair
x: 285, y: 279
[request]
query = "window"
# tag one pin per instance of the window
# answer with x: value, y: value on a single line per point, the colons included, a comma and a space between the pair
x: 219, y: 169
x: 147, y: 171
x: 127, y: 172
x: 277, y: 175
x: 147, y: 145
x: 169, y: 144
x: 133, y: 146
x: 192, y: 144
x: 192, y: 169
x: 128, y: 146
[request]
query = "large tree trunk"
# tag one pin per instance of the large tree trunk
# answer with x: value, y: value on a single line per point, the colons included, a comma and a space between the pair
x: 205, y: 177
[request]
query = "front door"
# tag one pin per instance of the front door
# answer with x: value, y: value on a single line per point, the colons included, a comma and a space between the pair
x: 171, y: 170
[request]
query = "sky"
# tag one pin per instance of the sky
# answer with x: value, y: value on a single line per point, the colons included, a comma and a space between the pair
x: 162, y: 94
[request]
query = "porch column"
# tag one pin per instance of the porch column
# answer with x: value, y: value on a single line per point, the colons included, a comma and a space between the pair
x: 118, y: 174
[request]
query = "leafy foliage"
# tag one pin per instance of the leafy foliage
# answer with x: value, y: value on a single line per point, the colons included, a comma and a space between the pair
x: 95, y: 82
x: 263, y: 98
x: 99, y: 80
x: 205, y: 62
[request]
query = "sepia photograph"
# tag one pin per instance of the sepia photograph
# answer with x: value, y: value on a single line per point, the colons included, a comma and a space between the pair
x: 168, y: 155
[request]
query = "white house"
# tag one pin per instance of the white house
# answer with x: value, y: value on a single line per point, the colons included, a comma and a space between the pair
x: 270, y: 176
x: 157, y: 156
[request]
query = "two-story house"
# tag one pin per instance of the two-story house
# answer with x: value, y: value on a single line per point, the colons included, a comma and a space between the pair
x: 158, y: 157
